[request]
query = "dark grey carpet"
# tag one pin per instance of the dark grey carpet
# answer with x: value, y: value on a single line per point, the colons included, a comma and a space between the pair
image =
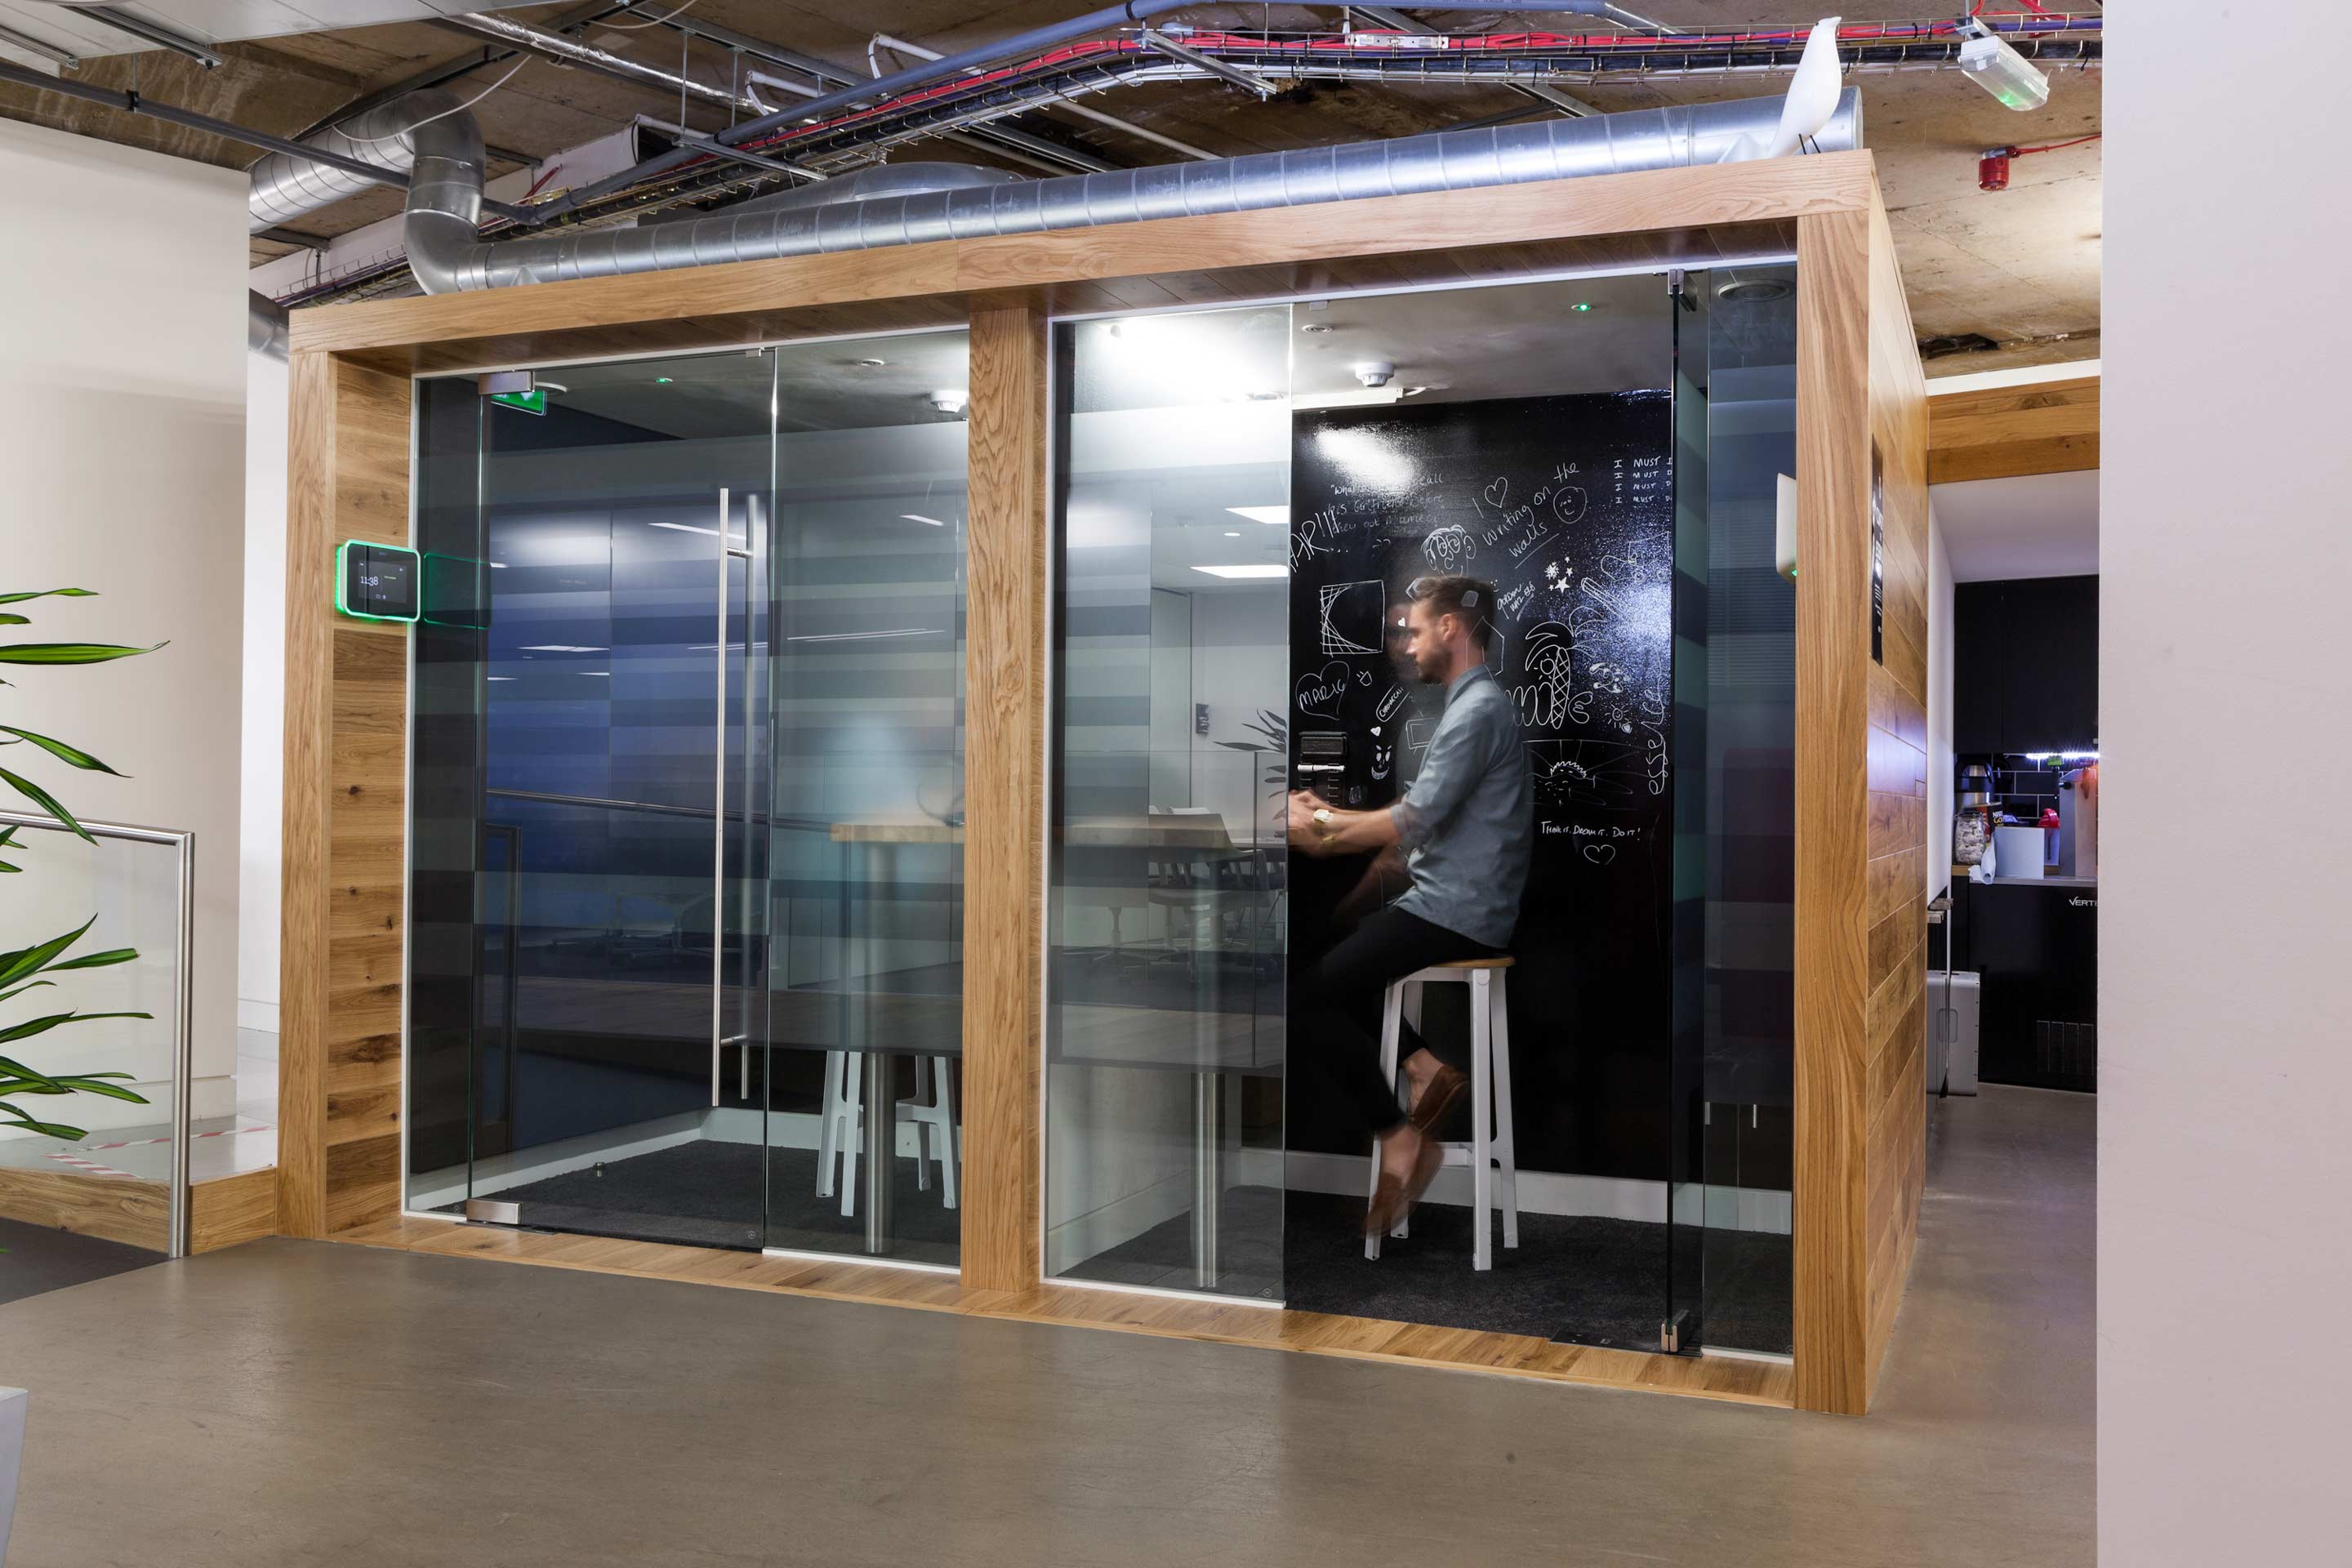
x: 707, y: 1193
x: 1591, y: 1282
x: 38, y: 1259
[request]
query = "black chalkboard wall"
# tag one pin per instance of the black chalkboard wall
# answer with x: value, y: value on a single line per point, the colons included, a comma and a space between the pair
x: 1566, y: 504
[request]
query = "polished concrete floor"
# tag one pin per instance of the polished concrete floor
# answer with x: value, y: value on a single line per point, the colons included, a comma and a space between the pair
x: 310, y: 1403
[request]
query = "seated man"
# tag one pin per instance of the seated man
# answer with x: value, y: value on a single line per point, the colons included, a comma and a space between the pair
x: 1466, y: 825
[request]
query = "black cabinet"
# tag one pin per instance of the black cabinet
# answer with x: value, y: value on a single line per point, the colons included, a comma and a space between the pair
x: 2025, y: 666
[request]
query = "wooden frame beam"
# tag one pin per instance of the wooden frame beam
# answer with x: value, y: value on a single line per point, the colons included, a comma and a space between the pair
x: 2001, y: 432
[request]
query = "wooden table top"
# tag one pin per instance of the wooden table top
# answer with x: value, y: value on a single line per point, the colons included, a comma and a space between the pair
x: 1208, y: 834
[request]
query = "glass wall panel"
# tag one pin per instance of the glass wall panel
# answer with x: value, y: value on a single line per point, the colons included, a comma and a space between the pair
x: 1735, y: 755
x: 865, y: 975
x: 1168, y: 899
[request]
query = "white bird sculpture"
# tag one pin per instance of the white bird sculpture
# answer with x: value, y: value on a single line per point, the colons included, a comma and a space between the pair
x: 1812, y: 98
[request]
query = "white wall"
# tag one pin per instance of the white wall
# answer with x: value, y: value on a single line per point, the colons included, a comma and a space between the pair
x: 261, y: 820
x: 2225, y: 1147
x: 122, y: 398
x: 1940, y: 761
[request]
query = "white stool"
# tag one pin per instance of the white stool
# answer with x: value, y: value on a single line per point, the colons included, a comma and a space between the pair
x: 1490, y: 1144
x: 932, y: 1111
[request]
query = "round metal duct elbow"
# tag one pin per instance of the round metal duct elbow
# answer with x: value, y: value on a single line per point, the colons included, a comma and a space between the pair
x: 282, y: 187
x: 445, y: 193
x: 268, y: 329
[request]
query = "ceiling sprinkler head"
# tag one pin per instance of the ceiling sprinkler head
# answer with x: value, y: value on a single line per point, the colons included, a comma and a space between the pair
x: 1375, y: 373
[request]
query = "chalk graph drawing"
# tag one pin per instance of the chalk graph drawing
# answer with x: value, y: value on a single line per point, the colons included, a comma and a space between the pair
x: 1604, y: 774
x: 1351, y: 616
x: 1544, y: 700
x: 1449, y: 548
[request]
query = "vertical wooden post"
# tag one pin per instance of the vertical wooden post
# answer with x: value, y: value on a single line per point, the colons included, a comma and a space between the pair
x: 1832, y: 663
x: 1004, y: 707
x: 345, y: 819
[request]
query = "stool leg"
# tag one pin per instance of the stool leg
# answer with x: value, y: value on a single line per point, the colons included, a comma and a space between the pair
x: 922, y: 1136
x: 828, y: 1106
x: 1391, y: 1004
x: 1482, y: 1104
x: 852, y: 1065
x: 1411, y: 1013
x: 944, y: 1076
x: 1507, y: 1148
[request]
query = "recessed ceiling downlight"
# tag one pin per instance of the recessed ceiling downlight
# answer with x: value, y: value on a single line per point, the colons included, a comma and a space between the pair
x: 1754, y: 291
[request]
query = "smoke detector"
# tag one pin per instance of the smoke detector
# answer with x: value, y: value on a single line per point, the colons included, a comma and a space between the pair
x: 1375, y: 373
x: 950, y: 403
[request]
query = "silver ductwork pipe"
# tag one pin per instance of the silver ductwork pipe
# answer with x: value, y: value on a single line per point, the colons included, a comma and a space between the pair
x: 282, y: 187
x: 267, y: 329
x: 446, y: 192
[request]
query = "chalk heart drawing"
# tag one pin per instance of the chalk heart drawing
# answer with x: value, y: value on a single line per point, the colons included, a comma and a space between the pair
x: 1568, y: 503
x: 1495, y: 493
x: 1320, y: 694
x: 1600, y: 853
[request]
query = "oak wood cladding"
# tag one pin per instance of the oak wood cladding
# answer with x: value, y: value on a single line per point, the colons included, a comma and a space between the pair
x: 1860, y: 804
x: 1004, y: 808
x: 1739, y: 1380
x: 2045, y: 427
x: 242, y: 1208
x: 112, y: 1208
x: 346, y: 729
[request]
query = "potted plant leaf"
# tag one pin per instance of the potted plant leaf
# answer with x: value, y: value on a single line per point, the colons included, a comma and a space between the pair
x: 34, y: 967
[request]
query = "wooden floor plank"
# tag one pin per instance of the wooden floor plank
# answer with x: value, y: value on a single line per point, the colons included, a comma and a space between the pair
x: 1736, y: 1379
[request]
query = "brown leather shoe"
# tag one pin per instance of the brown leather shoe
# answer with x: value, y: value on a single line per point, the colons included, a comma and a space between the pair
x: 1444, y: 1090
x: 1393, y: 1199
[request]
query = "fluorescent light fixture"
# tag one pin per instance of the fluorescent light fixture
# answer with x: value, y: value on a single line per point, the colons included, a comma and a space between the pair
x: 1232, y: 534
x: 689, y: 528
x: 1353, y: 397
x: 501, y: 677
x: 1251, y: 571
x: 561, y: 648
x: 2000, y: 70
x: 604, y: 673
x: 918, y: 517
x: 1273, y: 516
x: 868, y: 637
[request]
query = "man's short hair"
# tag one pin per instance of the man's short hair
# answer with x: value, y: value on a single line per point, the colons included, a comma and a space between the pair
x: 1454, y: 595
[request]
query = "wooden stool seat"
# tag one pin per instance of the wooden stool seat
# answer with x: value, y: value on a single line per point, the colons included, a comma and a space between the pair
x: 1491, y: 1152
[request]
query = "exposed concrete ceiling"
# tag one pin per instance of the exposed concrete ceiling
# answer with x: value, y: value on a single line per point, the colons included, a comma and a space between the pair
x: 2018, y: 269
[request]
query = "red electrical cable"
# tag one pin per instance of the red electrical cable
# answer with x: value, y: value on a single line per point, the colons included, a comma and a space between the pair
x: 2055, y: 146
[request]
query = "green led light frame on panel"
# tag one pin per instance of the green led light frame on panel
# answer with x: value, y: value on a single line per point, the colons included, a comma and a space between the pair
x: 378, y: 582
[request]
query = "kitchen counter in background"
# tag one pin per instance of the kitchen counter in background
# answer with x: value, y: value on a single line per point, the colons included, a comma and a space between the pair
x: 2036, y: 940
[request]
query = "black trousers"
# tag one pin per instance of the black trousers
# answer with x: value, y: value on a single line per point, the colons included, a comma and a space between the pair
x: 1334, y: 1008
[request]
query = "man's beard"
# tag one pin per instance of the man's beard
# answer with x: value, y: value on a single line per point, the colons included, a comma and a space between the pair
x: 1430, y: 676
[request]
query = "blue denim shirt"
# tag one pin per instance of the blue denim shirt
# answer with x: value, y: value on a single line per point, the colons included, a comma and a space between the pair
x: 1467, y: 822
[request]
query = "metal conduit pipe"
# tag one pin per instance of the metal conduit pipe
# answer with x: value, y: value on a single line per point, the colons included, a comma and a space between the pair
x: 445, y: 192
x: 1131, y: 13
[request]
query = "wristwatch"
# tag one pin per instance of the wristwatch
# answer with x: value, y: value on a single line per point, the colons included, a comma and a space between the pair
x: 1322, y: 822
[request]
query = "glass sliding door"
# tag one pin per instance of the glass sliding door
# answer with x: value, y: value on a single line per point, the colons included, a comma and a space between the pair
x: 586, y: 706
x: 865, y: 811
x: 1167, y: 894
x: 685, y: 899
